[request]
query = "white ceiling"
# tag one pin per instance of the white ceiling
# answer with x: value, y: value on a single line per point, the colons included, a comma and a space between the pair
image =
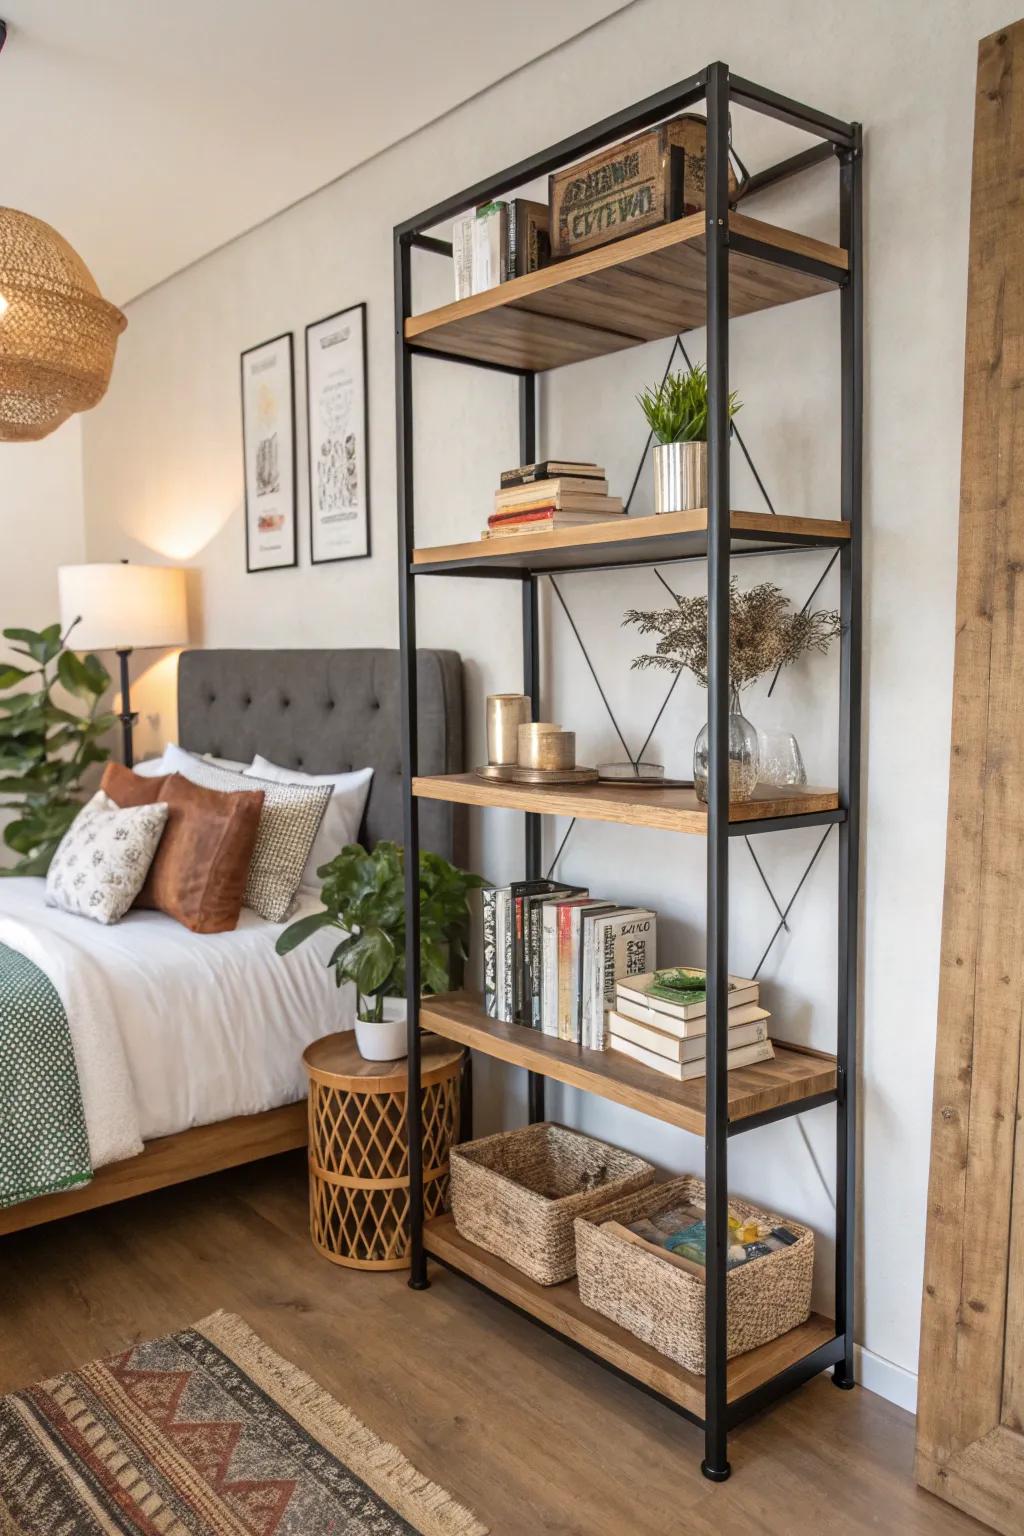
x: 148, y: 132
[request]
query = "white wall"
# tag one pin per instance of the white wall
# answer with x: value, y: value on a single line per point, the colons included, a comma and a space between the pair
x: 163, y: 478
x: 41, y: 527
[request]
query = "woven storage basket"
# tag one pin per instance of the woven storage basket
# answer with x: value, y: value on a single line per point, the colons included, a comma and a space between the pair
x: 664, y: 1305
x: 517, y: 1194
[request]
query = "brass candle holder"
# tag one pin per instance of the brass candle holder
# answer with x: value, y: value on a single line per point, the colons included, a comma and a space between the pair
x: 506, y: 712
x: 544, y: 745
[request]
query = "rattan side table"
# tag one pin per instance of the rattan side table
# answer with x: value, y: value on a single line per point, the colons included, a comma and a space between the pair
x: 358, y: 1151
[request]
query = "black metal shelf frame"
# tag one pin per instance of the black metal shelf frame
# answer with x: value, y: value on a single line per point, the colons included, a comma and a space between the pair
x: 843, y: 142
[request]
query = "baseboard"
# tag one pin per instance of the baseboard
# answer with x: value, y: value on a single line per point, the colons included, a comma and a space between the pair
x: 888, y: 1380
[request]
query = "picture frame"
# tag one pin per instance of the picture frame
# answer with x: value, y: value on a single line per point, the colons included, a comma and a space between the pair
x: 337, y: 420
x: 268, y: 447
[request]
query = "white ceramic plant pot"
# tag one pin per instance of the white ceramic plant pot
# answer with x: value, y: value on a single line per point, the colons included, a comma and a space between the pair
x: 384, y: 1039
x: 680, y: 476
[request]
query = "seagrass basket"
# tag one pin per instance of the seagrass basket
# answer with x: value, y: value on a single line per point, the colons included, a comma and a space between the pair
x: 517, y: 1194
x: 664, y: 1305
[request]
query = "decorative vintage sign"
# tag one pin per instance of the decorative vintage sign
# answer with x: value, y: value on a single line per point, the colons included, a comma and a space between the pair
x: 636, y: 185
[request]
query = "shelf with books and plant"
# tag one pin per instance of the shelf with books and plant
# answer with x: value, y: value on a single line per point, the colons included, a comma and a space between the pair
x: 629, y: 540
x: 670, y: 810
x: 770, y: 1089
x: 641, y: 288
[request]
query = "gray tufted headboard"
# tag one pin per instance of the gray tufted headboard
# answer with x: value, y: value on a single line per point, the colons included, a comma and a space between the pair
x: 328, y: 712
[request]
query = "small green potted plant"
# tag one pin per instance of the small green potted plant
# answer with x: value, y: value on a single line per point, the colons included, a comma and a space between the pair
x: 677, y: 414
x: 364, y: 896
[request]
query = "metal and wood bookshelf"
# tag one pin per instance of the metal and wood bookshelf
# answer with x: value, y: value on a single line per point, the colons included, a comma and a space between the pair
x: 699, y: 270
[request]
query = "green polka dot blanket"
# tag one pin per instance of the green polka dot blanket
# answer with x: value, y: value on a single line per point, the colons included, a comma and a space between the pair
x: 43, y: 1142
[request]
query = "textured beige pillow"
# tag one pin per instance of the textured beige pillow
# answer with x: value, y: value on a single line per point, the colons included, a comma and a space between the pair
x: 289, y: 822
x: 104, y: 857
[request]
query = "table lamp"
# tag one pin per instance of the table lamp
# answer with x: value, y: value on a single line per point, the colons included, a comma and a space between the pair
x: 122, y: 607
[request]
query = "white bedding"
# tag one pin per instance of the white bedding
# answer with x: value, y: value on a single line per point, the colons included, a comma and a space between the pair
x: 174, y: 1029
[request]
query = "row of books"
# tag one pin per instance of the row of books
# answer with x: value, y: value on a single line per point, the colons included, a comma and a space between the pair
x: 556, y: 493
x: 498, y: 241
x: 660, y: 1019
x: 553, y: 955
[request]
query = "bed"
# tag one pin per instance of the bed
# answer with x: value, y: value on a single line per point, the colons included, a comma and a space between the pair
x: 211, y: 1028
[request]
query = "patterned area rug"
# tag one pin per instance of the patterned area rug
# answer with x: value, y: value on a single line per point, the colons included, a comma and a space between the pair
x: 205, y: 1433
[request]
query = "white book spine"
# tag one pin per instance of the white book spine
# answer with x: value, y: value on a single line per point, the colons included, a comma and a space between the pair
x: 549, y: 971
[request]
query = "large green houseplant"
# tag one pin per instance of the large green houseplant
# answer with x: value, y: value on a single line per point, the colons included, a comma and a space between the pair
x: 364, y: 897
x: 46, y: 748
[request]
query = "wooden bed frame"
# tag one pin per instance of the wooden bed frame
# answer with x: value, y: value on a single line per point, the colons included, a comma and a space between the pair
x: 171, y: 1160
x: 303, y: 709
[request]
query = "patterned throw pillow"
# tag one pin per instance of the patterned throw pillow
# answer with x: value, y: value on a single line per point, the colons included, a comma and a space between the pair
x: 104, y: 857
x: 289, y: 822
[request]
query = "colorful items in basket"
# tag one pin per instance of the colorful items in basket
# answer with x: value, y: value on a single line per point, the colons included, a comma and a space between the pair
x: 681, y: 1230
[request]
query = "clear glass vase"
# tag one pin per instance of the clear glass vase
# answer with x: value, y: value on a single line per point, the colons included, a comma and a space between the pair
x: 744, y: 758
x: 782, y: 764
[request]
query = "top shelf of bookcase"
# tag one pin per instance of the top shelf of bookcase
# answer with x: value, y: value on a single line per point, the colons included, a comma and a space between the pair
x: 639, y: 289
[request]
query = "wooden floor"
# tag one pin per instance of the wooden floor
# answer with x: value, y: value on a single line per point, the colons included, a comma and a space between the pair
x: 533, y: 1436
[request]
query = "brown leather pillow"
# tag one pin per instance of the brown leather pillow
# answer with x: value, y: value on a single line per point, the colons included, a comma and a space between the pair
x: 201, y: 866
x: 127, y: 788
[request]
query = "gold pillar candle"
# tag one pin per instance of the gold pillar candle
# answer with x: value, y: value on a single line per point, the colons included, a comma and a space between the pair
x: 545, y: 745
x: 506, y: 712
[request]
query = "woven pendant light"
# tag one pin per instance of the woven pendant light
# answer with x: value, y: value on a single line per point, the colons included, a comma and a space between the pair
x: 57, y: 334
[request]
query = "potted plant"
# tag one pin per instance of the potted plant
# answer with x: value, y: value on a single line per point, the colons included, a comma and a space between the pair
x: 763, y: 637
x: 677, y: 414
x: 364, y: 896
x: 45, y: 747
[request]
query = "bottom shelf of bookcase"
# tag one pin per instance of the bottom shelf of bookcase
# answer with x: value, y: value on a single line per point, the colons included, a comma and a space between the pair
x: 559, y: 1307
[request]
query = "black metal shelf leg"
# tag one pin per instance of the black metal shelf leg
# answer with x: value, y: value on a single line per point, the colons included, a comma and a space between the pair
x: 531, y: 682
x: 852, y: 365
x: 409, y: 721
x: 716, y: 1464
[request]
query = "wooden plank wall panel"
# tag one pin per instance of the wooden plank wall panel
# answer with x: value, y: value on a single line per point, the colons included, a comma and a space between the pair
x: 963, y: 1452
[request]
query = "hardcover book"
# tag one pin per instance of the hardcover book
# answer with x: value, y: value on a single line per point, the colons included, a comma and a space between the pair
x: 745, y: 1056
x: 675, y: 1048
x: 535, y: 906
x: 683, y: 1029
x: 488, y: 901
x: 681, y: 991
x: 550, y: 469
x: 623, y: 943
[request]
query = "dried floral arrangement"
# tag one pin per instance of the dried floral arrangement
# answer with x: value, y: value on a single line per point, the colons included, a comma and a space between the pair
x: 764, y: 634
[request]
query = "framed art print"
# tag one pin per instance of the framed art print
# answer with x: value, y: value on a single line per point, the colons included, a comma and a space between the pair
x: 268, y: 441
x: 339, y: 489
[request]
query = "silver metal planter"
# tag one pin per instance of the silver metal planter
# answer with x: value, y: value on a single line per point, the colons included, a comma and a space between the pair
x: 680, y: 476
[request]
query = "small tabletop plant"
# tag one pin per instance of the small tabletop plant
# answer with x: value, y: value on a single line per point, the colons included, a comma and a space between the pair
x: 44, y: 748
x: 677, y: 408
x: 364, y: 896
x: 763, y: 634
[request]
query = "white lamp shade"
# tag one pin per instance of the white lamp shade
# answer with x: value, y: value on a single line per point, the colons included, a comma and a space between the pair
x: 123, y: 607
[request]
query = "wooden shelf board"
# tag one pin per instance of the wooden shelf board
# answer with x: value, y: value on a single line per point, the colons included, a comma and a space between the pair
x: 639, y: 289
x: 671, y: 810
x: 631, y: 541
x: 560, y: 1308
x: 797, y: 1073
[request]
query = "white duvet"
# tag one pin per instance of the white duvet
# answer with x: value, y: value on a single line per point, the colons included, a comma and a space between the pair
x: 173, y: 1029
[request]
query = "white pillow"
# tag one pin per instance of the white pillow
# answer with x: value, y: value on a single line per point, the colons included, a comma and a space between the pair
x: 344, y: 814
x: 175, y: 759
x: 103, y: 858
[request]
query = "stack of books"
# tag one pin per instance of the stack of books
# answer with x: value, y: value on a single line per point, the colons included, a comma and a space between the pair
x: 499, y: 241
x: 553, y: 955
x: 660, y: 1019
x: 557, y: 493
